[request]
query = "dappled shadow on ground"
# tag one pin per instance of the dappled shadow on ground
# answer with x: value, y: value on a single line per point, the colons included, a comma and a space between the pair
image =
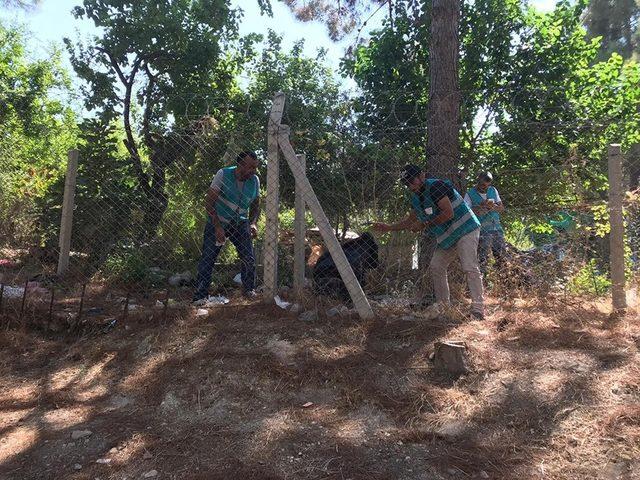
x: 252, y: 392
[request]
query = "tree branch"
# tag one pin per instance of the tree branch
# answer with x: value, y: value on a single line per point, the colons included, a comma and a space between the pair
x: 128, y: 82
x: 114, y: 64
x: 146, y: 119
x: 131, y: 143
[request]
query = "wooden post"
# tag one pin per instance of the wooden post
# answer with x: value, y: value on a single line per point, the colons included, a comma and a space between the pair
x: 270, y: 248
x: 328, y: 235
x: 67, y: 212
x: 300, y: 233
x: 616, y: 237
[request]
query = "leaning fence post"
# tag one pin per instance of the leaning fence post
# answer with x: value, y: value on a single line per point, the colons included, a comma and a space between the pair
x: 300, y: 232
x: 616, y: 237
x: 270, y: 248
x: 67, y: 212
x: 328, y: 235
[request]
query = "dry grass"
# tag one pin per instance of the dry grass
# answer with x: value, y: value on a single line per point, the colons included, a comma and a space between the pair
x: 251, y: 392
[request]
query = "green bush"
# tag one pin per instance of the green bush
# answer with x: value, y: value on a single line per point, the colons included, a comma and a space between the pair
x: 127, y: 267
x: 590, y: 280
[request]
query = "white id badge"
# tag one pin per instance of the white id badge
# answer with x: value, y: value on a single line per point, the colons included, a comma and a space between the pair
x: 428, y: 211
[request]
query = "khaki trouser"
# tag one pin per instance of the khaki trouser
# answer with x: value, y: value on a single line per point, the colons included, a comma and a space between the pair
x: 467, y: 250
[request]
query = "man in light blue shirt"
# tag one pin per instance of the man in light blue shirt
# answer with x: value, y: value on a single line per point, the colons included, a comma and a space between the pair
x: 486, y: 203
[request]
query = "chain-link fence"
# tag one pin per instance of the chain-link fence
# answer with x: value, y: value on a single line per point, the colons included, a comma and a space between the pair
x: 144, y: 230
x: 630, y: 191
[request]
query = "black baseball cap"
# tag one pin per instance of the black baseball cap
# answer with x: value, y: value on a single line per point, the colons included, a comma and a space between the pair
x: 409, y: 172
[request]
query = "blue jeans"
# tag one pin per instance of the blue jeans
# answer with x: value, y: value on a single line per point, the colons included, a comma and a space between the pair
x: 491, y: 241
x: 240, y: 235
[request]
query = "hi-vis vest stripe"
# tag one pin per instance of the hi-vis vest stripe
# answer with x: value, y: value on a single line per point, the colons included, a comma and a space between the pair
x: 490, y: 221
x: 233, y: 204
x: 447, y: 234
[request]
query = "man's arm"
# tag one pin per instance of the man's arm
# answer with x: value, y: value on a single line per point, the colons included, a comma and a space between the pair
x: 446, y: 212
x: 254, y: 214
x: 480, y: 209
x: 254, y: 211
x: 212, y: 197
x: 499, y: 206
x: 210, y: 205
x: 409, y: 222
x: 441, y: 194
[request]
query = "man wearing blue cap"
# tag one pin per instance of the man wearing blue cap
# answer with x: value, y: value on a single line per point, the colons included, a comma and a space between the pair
x: 486, y: 203
x: 439, y: 208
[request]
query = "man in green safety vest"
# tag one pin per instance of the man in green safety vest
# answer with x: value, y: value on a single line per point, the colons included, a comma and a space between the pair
x: 233, y: 207
x: 439, y: 208
x: 486, y: 203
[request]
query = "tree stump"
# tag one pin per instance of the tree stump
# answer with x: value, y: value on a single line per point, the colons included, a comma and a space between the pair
x: 451, y: 357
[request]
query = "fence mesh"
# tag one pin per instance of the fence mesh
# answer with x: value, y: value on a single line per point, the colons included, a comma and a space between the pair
x: 138, y: 221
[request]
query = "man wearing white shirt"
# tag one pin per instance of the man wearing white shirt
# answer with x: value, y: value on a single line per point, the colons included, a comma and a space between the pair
x: 486, y: 203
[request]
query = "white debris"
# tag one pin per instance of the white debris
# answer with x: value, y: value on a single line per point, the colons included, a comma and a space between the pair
x: 13, y: 292
x: 214, y: 301
x: 281, y: 303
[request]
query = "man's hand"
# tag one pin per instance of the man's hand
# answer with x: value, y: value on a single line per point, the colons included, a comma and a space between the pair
x: 253, y: 228
x: 381, y: 227
x: 221, y: 238
x: 480, y: 209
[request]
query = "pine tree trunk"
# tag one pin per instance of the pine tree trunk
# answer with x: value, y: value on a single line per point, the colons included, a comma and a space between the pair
x: 443, y: 115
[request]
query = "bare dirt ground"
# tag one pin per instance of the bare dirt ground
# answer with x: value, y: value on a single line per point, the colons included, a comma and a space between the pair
x: 252, y: 392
